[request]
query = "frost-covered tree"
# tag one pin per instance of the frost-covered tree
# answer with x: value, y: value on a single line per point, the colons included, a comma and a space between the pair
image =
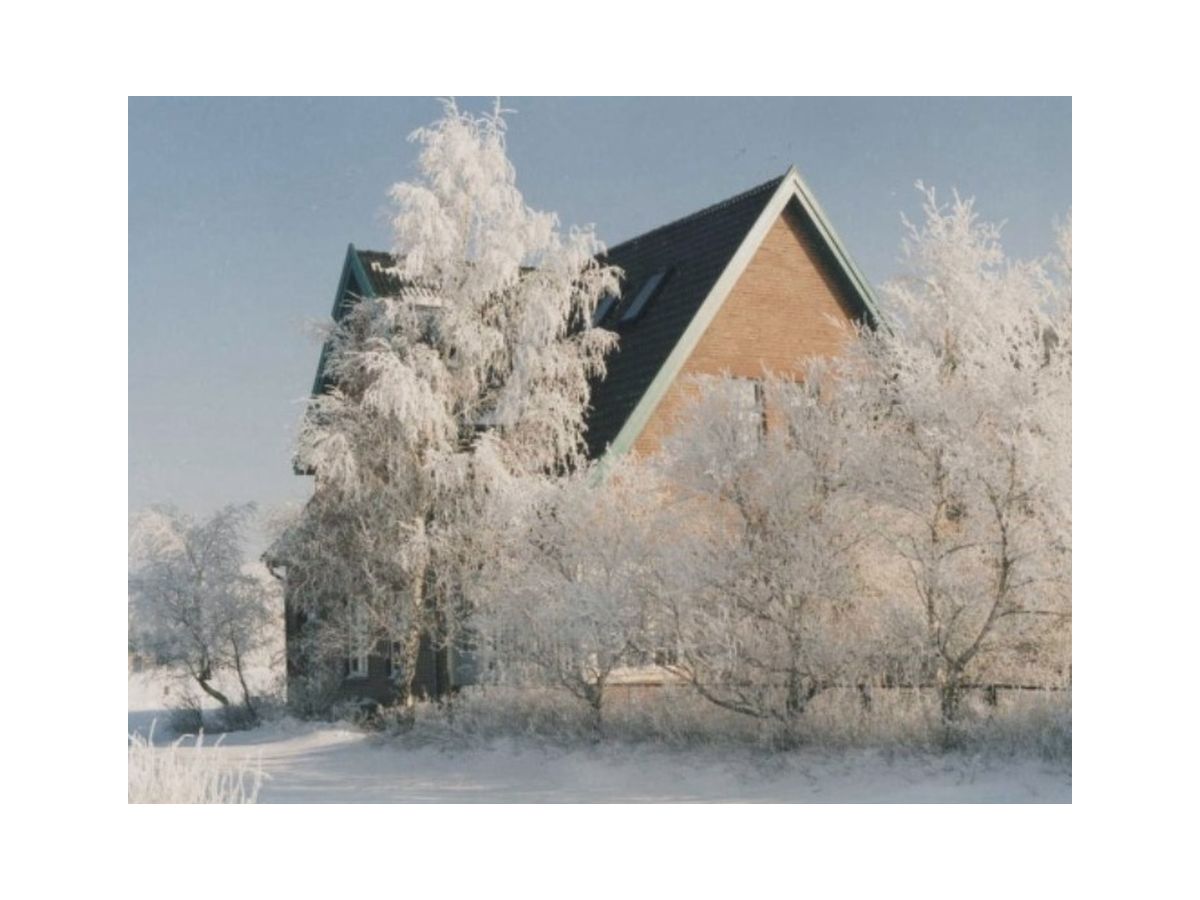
x: 473, y: 374
x: 901, y: 516
x: 193, y: 605
x: 568, y: 603
x: 971, y: 397
x: 761, y: 599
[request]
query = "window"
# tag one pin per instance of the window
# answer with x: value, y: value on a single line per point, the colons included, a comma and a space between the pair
x: 666, y: 657
x: 648, y: 289
x: 746, y: 402
x: 750, y: 405
x: 359, y: 642
x: 603, y: 308
x: 395, y: 667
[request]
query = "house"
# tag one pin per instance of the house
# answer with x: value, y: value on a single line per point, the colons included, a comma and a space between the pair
x: 759, y: 280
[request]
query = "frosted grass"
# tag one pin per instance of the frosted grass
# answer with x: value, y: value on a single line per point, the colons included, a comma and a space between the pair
x: 186, y: 771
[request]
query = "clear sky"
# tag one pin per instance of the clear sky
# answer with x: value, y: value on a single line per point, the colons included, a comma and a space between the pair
x: 240, y: 211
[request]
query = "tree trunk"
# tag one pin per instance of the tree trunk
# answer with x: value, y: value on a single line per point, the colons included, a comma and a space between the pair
x: 950, y: 688
x: 595, y: 698
x: 864, y: 697
x: 799, y: 693
x: 440, y: 642
x: 246, y: 701
x: 951, y: 698
x: 794, y: 704
x: 212, y: 691
x: 410, y: 656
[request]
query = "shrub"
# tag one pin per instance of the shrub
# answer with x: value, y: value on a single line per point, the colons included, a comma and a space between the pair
x: 237, y: 717
x: 186, y: 716
x: 1019, y: 724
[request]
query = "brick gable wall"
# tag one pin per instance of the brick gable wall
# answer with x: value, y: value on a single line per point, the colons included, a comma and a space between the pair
x: 783, y: 310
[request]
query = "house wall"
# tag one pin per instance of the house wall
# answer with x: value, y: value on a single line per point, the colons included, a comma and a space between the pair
x: 786, y: 308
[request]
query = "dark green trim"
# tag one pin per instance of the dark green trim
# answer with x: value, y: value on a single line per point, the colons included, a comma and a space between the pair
x: 360, y: 274
x: 351, y: 266
x: 841, y: 255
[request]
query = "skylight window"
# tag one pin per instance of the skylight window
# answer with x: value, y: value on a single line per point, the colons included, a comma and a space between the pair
x: 603, y: 308
x: 648, y: 289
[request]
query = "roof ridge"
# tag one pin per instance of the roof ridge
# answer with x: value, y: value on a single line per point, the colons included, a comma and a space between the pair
x: 719, y: 205
x: 712, y: 208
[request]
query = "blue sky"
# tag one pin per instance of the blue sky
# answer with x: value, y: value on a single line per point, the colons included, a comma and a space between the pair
x: 240, y: 211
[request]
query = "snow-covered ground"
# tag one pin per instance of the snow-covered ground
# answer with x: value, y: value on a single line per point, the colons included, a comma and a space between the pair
x: 320, y: 763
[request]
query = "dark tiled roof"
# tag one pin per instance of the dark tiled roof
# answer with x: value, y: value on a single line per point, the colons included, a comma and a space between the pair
x: 379, y: 270
x: 696, y: 250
